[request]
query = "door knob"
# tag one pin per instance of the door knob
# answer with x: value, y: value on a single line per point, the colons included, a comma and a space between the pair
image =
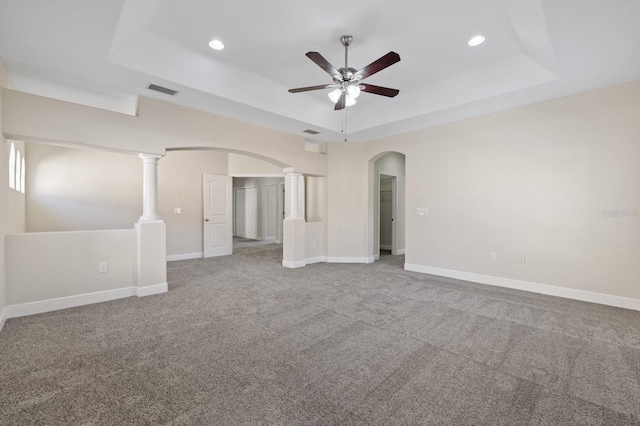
x: 206, y: 220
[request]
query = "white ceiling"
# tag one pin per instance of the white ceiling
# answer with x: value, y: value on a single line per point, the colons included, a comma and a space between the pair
x: 105, y: 53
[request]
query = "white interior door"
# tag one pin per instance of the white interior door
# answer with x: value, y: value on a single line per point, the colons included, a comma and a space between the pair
x: 218, y: 236
x: 269, y: 212
x: 251, y: 213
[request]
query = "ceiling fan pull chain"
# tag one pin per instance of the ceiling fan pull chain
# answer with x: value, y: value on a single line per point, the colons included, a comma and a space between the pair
x: 344, y: 123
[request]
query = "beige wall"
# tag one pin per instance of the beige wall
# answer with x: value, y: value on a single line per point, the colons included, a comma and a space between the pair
x: 70, y: 189
x: 74, y: 189
x: 530, y: 181
x: 156, y: 127
x: 70, y: 271
x: 180, y: 186
x: 347, y: 203
x: 242, y: 165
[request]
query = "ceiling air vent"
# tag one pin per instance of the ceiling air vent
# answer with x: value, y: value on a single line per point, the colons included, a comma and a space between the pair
x: 311, y: 132
x: 161, y: 89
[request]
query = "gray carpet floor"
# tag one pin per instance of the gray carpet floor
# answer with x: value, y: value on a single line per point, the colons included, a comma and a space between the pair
x: 241, y: 340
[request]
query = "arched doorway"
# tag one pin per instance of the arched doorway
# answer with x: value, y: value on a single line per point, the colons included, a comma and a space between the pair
x: 387, y: 204
x: 248, y: 174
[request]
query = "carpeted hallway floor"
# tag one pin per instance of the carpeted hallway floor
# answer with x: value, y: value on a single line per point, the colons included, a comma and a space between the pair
x: 240, y: 340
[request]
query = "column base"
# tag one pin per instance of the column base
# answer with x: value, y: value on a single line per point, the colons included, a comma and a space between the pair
x: 151, y: 257
x: 294, y: 241
x: 157, y: 219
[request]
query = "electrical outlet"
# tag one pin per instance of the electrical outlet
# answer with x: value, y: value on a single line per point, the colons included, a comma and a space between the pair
x: 525, y: 259
x: 492, y: 257
x: 177, y: 210
x: 103, y: 267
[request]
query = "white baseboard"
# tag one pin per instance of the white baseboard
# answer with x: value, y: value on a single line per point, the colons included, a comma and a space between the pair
x: 568, y: 293
x: 41, y: 306
x: 270, y: 239
x: 49, y: 305
x: 185, y: 256
x: 400, y: 251
x: 292, y: 265
x: 3, y: 317
x: 317, y: 259
x: 152, y: 289
x: 376, y: 257
x: 385, y: 247
x: 350, y: 259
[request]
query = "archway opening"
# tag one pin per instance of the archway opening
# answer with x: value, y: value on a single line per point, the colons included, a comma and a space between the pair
x: 387, y: 205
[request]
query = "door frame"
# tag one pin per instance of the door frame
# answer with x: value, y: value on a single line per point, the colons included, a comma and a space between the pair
x: 394, y: 209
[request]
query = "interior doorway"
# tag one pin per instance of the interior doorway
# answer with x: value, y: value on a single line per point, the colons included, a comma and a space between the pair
x: 258, y: 211
x: 387, y: 205
x: 387, y: 211
x: 246, y: 212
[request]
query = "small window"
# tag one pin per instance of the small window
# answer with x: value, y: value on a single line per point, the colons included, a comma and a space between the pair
x: 17, y: 178
x: 12, y: 167
x: 22, y: 176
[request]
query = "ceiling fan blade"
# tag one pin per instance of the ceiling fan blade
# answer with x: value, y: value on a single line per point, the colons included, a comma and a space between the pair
x: 379, y: 90
x: 324, y: 64
x: 309, y: 88
x: 341, y: 103
x: 378, y: 65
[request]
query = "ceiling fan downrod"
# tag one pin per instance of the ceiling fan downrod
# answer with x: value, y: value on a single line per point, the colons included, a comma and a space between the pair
x: 346, y: 42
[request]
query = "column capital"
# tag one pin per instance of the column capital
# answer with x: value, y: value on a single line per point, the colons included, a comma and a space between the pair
x: 289, y: 171
x: 150, y: 158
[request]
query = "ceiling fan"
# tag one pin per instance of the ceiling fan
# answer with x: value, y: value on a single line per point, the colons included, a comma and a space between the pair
x: 347, y: 82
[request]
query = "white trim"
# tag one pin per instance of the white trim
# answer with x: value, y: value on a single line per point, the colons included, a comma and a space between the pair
x: 185, y: 256
x: 316, y: 259
x: 3, y: 317
x: 400, y: 251
x: 269, y: 239
x: 350, y: 259
x: 32, y: 308
x: 290, y: 264
x: 152, y: 289
x: 258, y: 175
x: 41, y: 306
x: 568, y: 293
x: 376, y: 257
x: 385, y: 247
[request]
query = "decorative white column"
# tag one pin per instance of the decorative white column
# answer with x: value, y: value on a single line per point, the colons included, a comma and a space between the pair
x: 151, y: 234
x: 150, y: 188
x: 294, y: 239
x: 294, y: 191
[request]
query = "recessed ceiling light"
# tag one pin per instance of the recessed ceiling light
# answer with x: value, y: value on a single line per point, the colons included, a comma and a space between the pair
x: 476, y: 40
x: 216, y: 45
